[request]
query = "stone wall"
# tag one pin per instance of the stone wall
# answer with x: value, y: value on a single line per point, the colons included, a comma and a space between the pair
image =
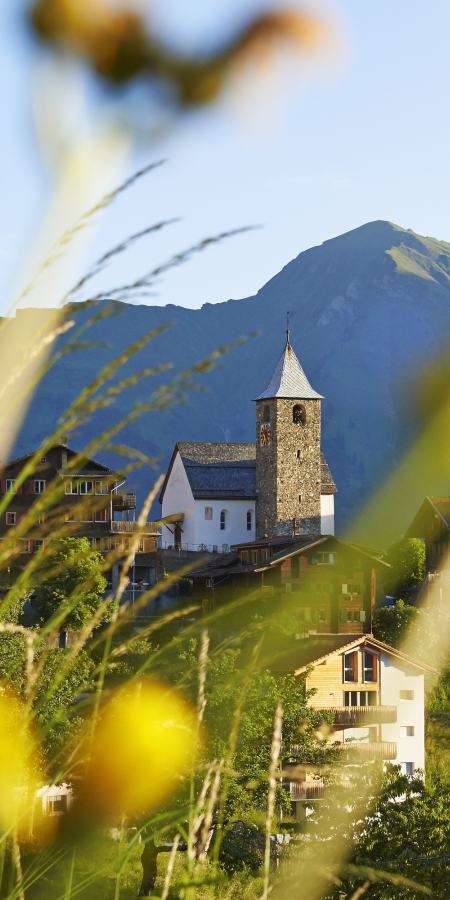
x: 288, y: 468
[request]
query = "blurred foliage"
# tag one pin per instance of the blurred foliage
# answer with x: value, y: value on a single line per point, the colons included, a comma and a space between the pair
x: 119, y: 44
x: 407, y: 821
x: 71, y: 582
x: 408, y: 565
x: 393, y: 626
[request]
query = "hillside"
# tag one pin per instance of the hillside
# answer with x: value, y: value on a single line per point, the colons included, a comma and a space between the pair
x: 367, y: 309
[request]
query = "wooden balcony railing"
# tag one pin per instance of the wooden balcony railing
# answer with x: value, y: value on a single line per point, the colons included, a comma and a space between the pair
x: 307, y: 790
x: 364, y: 715
x: 374, y: 750
x: 124, y: 501
x: 124, y: 527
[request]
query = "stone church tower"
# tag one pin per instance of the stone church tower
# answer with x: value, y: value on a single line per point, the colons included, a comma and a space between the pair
x: 288, y: 453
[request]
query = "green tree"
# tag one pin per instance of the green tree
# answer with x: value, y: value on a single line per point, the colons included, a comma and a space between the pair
x: 408, y: 821
x: 392, y: 626
x: 408, y: 566
x: 71, y: 581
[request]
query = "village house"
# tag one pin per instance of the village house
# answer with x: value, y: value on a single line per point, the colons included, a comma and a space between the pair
x: 92, y: 504
x: 333, y: 585
x: 220, y: 494
x: 376, y: 693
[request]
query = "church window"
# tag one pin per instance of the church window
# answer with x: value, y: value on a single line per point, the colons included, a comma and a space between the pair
x: 208, y: 513
x: 249, y: 520
x: 299, y: 498
x: 266, y: 414
x: 299, y: 454
x: 299, y: 414
x: 223, y: 519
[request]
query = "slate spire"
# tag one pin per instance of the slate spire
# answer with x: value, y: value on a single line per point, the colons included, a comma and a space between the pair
x: 289, y: 380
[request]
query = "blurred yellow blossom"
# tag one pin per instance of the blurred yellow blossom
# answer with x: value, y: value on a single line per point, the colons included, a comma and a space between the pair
x: 144, y: 743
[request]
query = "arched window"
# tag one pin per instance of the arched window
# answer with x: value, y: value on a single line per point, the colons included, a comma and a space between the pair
x: 266, y: 415
x: 249, y: 520
x: 299, y: 414
x: 223, y: 519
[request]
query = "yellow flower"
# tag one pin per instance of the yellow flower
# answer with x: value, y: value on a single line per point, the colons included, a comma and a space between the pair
x: 143, y: 745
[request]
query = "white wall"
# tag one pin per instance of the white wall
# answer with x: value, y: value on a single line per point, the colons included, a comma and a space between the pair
x: 327, y: 513
x: 196, y: 529
x: 208, y: 531
x: 178, y: 499
x: 396, y: 676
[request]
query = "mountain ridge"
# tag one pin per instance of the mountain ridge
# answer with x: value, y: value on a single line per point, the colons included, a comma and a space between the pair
x: 367, y: 309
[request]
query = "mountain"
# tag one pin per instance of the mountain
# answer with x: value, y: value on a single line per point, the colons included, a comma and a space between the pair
x: 367, y: 310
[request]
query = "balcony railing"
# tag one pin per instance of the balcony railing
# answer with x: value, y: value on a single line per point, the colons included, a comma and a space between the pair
x: 307, y: 790
x: 364, y: 715
x: 374, y: 750
x: 124, y: 527
x: 124, y: 501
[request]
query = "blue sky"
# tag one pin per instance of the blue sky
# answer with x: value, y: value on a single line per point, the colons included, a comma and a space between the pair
x: 365, y: 139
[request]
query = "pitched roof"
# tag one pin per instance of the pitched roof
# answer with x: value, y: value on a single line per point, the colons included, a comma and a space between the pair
x: 90, y: 466
x: 442, y: 506
x: 226, y: 471
x: 317, y: 648
x: 289, y: 379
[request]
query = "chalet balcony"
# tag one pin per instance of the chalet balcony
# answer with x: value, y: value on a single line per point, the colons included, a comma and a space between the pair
x: 364, y: 715
x: 307, y: 790
x: 124, y: 501
x: 127, y: 527
x: 375, y: 750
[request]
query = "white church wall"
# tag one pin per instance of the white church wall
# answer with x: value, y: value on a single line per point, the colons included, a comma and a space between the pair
x: 397, y: 681
x: 178, y: 498
x: 327, y: 513
x: 209, y: 532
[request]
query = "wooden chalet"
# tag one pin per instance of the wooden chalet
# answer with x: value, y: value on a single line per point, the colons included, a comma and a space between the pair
x: 332, y: 584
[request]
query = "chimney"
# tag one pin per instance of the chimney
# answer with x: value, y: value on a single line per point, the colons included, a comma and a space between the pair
x: 63, y: 440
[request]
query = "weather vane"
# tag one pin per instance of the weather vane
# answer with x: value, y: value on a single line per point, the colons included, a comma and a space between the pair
x: 287, y: 329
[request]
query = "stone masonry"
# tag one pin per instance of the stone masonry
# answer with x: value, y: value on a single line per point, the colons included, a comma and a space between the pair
x: 288, y: 470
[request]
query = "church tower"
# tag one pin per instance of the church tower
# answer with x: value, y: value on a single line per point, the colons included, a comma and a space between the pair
x: 288, y: 453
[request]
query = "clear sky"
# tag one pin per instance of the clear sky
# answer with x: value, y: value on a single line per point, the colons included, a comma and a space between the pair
x: 365, y: 138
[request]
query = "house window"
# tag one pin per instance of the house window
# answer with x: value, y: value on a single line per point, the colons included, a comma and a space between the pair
x: 10, y: 485
x: 86, y: 487
x: 11, y: 518
x: 39, y: 487
x: 351, y: 666
x: 208, y: 513
x: 322, y: 559
x: 209, y: 582
x: 407, y: 768
x: 41, y: 519
x: 351, y: 698
x: 223, y: 519
x: 101, y: 515
x: 25, y: 546
x: 266, y: 415
x: 43, y: 460
x: 69, y: 514
x: 245, y: 556
x: 370, y: 666
x: 299, y: 414
x: 101, y: 487
x: 406, y: 731
x: 249, y: 520
x: 71, y: 487
x: 38, y: 545
x: 406, y: 695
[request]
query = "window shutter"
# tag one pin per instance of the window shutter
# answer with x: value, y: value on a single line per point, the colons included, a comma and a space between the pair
x: 362, y: 616
x: 19, y: 489
x: 343, y: 615
x: 31, y: 486
x: 3, y: 485
x: 31, y: 546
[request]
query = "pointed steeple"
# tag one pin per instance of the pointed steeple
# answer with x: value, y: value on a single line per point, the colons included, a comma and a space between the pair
x: 289, y: 380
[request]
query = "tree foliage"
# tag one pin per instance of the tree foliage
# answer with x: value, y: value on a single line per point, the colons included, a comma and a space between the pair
x: 393, y: 626
x: 408, y: 566
x: 72, y: 583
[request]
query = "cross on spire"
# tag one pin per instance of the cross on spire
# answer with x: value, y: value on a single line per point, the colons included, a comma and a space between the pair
x: 287, y: 329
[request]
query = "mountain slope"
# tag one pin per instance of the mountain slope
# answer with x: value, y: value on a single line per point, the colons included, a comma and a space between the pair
x: 367, y: 309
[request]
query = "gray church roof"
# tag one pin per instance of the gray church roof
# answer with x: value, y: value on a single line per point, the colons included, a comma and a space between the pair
x: 220, y: 471
x: 289, y: 379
